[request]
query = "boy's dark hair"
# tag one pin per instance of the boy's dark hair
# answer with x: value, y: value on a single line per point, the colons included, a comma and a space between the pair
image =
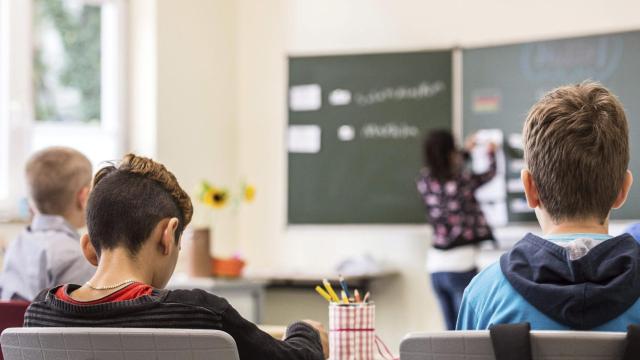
x: 576, y: 145
x: 130, y: 199
x: 438, y: 146
x: 54, y: 177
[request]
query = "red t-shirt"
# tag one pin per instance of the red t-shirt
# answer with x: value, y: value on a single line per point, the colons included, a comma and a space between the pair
x: 129, y: 292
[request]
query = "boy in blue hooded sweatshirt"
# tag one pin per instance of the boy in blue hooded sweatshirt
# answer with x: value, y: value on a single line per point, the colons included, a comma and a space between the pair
x: 575, y: 275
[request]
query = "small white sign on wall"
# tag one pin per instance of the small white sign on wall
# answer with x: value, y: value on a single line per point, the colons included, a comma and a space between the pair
x: 304, y: 139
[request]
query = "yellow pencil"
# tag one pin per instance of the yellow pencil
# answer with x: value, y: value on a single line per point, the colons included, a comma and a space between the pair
x: 345, y: 299
x: 323, y: 293
x: 329, y: 288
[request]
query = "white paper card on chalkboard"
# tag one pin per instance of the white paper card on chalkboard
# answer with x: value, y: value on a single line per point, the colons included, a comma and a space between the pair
x: 486, y: 136
x: 305, y: 97
x: 304, y: 139
x: 516, y: 165
x: 495, y: 189
x: 515, y: 141
x: 495, y: 213
x: 515, y: 185
x: 520, y: 206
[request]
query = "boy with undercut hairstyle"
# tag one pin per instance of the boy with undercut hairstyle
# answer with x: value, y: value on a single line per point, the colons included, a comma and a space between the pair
x: 575, y: 275
x: 47, y: 252
x: 136, y: 214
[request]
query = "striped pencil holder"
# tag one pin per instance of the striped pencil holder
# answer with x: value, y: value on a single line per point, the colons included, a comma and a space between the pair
x: 352, y: 331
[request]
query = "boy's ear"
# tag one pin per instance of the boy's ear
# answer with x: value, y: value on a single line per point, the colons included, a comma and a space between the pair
x: 169, y: 235
x: 83, y: 197
x: 88, y: 250
x: 530, y: 189
x: 33, y: 209
x: 624, y: 190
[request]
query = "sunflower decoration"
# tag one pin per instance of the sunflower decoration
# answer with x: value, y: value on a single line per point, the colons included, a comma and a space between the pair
x: 217, y: 197
x: 213, y: 196
x: 249, y: 192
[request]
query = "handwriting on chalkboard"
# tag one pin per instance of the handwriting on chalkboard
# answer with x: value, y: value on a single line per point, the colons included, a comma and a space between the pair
x: 421, y: 91
x: 389, y: 131
x: 564, y: 61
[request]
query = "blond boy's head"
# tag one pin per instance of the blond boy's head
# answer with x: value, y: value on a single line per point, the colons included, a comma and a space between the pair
x: 58, y: 179
x: 576, y: 145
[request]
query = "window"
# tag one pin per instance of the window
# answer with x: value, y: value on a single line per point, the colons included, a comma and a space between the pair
x: 63, y: 83
x: 66, y: 61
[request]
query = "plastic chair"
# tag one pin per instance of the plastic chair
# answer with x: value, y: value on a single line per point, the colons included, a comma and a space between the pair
x: 545, y: 345
x: 117, y: 344
x: 11, y: 315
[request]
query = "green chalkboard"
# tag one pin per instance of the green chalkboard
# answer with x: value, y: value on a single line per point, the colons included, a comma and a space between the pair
x: 501, y: 83
x: 354, y: 135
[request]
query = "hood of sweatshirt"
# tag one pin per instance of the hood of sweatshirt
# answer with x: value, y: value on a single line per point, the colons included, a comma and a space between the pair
x: 581, y: 293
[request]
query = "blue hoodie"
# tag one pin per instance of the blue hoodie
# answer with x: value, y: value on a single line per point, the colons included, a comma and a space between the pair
x: 539, y: 282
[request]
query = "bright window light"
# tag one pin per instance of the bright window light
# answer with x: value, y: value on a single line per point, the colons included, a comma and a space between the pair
x: 74, y: 73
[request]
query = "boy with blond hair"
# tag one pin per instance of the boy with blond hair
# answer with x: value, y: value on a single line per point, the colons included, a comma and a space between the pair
x: 575, y: 275
x: 136, y: 215
x: 47, y: 252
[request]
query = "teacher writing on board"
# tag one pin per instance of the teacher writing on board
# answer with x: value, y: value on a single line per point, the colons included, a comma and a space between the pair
x: 447, y: 189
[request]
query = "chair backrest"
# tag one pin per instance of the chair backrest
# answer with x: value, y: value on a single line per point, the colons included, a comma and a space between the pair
x: 545, y: 345
x: 117, y: 344
x: 11, y: 315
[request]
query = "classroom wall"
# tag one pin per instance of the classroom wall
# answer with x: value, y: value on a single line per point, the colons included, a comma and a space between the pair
x: 182, y: 56
x: 196, y: 86
x: 268, y: 31
x: 142, y: 73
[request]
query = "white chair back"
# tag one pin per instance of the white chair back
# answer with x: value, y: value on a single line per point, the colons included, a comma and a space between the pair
x: 116, y: 344
x: 545, y: 345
